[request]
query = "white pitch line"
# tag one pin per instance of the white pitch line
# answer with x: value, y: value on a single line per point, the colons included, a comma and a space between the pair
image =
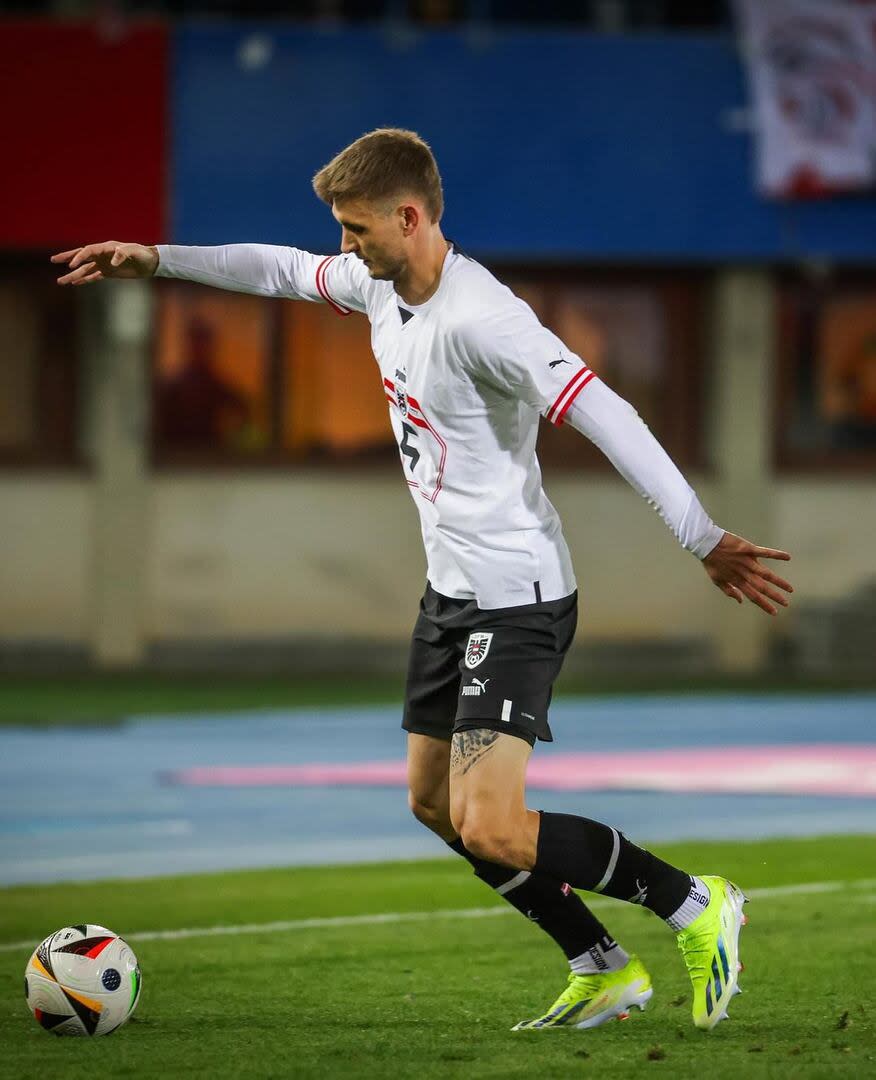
x: 391, y: 917
x: 298, y: 924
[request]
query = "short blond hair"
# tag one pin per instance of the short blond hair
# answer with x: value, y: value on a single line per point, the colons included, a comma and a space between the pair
x: 380, y: 165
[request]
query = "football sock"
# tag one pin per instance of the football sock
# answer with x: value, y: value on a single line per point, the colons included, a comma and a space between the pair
x: 605, y: 956
x: 694, y: 904
x: 598, y: 858
x: 558, y: 910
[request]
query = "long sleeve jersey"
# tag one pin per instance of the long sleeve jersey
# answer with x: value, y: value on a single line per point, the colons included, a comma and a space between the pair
x: 467, y: 375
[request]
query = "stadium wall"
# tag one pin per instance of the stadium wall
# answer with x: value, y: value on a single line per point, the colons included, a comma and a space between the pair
x: 244, y: 561
x: 46, y: 546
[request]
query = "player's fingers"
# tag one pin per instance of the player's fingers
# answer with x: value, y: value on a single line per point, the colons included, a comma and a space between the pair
x: 63, y: 256
x: 770, y: 553
x: 81, y: 256
x: 75, y: 275
x: 91, y: 251
x: 757, y: 599
x: 730, y: 590
x: 766, y: 590
x: 774, y: 579
x: 96, y: 276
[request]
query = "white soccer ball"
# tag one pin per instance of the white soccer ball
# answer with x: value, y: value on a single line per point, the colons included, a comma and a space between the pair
x: 82, y: 980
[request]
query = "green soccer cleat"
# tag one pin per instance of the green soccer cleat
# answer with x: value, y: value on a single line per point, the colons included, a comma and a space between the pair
x: 591, y: 1000
x: 710, y: 947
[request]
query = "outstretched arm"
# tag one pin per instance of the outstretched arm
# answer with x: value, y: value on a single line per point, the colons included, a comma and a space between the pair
x: 508, y: 347
x: 259, y: 269
x: 731, y: 561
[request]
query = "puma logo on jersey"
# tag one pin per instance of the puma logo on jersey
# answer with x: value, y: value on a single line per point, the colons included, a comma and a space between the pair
x: 554, y: 363
x: 475, y: 688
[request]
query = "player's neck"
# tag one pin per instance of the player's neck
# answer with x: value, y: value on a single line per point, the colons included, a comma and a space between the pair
x: 422, y: 275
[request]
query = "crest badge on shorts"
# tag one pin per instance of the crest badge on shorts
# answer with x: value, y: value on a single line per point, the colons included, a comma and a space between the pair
x: 477, y: 648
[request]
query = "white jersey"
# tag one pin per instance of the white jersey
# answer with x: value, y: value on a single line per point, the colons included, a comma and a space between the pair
x: 467, y: 375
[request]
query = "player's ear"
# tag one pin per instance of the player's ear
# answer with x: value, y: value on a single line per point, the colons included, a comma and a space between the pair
x: 410, y: 218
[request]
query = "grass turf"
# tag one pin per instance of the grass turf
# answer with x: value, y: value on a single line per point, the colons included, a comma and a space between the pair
x: 436, y: 999
x: 107, y: 699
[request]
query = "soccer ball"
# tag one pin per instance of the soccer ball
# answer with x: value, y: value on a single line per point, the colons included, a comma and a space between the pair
x: 82, y: 980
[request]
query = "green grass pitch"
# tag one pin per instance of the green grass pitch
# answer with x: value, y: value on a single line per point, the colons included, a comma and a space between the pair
x: 435, y: 997
x: 90, y: 699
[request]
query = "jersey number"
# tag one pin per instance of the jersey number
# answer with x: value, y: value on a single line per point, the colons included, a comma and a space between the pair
x: 405, y: 446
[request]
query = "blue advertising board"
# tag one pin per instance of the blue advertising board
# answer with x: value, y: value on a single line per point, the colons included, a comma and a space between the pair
x: 553, y: 145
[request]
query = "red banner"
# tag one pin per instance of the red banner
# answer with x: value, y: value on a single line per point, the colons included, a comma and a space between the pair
x: 84, y: 132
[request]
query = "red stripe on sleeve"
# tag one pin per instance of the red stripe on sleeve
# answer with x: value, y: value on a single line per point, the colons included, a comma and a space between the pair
x: 322, y: 288
x: 575, y: 391
x: 559, y: 398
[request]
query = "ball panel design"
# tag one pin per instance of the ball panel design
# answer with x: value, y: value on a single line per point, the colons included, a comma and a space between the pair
x: 83, y: 980
x: 48, y: 1020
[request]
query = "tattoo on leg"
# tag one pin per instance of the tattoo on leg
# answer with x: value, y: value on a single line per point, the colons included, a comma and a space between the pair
x: 468, y: 747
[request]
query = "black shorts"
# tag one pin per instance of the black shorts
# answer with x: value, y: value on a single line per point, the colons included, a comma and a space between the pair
x: 470, y: 668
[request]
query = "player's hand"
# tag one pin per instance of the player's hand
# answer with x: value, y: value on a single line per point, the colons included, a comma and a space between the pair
x: 735, y: 568
x: 111, y: 259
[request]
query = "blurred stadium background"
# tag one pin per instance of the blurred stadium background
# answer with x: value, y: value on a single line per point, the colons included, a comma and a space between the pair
x: 200, y: 507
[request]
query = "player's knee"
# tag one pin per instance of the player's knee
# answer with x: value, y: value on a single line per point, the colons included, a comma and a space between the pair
x: 431, y: 812
x: 489, y: 838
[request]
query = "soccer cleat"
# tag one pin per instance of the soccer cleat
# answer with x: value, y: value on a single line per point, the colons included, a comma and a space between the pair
x: 591, y: 1000
x: 710, y: 947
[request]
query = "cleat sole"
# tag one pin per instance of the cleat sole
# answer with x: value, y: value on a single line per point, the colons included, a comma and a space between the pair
x: 621, y: 1011
x: 613, y: 1002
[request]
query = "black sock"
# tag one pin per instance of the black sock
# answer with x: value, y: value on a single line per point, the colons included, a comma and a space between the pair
x: 597, y: 857
x: 558, y: 910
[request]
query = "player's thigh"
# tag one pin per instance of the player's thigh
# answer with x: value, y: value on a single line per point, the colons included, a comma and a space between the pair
x: 487, y: 781
x: 432, y: 684
x: 428, y: 770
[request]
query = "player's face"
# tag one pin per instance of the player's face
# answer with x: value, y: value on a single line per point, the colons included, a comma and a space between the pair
x: 374, y: 235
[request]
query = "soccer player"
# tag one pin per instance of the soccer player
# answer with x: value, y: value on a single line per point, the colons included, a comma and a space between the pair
x: 468, y: 370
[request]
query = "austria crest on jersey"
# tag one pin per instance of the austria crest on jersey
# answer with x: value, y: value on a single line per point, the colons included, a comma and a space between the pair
x: 477, y: 649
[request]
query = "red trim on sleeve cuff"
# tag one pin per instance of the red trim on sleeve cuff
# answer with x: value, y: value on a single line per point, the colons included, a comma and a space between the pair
x: 322, y: 289
x: 568, y: 394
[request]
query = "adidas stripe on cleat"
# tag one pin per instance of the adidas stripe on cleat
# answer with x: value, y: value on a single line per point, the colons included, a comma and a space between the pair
x: 710, y: 948
x: 591, y: 1000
